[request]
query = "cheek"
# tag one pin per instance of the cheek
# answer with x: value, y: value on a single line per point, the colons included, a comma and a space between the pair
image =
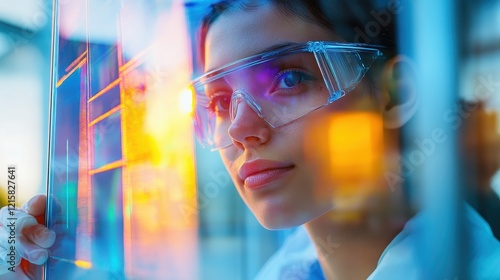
x: 229, y: 158
x: 305, y: 142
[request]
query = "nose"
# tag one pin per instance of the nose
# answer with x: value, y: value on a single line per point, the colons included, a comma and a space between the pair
x: 247, y: 128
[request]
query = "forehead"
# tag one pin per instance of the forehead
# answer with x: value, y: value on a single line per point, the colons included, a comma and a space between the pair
x: 239, y: 34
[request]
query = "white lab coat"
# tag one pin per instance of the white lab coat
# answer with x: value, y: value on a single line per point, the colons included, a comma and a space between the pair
x: 297, y: 258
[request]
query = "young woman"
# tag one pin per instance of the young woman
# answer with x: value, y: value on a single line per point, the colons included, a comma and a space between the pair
x: 281, y: 69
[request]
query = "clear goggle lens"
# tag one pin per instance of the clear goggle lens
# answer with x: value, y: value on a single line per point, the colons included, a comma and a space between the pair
x: 280, y: 86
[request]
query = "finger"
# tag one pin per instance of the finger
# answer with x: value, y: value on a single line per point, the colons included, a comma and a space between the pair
x: 40, y: 235
x: 36, y: 205
x: 31, y: 252
x: 16, y: 220
x: 22, y: 221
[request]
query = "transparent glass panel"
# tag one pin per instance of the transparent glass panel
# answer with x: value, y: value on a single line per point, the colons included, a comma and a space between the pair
x: 396, y: 180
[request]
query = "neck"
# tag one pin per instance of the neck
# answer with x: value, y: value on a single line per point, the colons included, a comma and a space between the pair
x: 349, y: 244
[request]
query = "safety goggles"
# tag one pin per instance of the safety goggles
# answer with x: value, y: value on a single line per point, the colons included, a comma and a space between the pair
x: 280, y: 86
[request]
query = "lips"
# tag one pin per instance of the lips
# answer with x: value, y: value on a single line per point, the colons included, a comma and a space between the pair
x: 258, y: 173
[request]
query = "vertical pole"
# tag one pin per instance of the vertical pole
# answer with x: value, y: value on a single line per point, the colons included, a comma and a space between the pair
x: 434, y: 49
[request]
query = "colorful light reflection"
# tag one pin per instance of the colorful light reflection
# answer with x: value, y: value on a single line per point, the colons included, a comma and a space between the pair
x: 127, y: 170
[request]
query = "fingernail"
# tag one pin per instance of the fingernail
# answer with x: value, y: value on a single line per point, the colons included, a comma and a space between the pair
x: 30, y: 202
x: 26, y: 207
x: 38, y: 256
x: 29, y: 205
x: 46, y: 235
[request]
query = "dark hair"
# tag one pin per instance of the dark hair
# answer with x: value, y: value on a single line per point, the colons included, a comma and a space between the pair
x: 347, y: 18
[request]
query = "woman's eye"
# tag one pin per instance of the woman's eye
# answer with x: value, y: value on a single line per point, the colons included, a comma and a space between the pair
x: 219, y: 103
x: 290, y: 79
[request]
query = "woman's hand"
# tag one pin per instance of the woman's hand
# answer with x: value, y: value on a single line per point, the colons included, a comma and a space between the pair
x: 27, y: 235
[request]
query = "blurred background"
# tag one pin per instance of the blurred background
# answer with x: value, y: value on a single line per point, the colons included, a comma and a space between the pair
x: 134, y: 196
x: 25, y: 42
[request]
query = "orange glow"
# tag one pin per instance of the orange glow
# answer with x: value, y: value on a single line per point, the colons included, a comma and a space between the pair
x: 83, y: 264
x: 347, y: 150
x: 355, y: 143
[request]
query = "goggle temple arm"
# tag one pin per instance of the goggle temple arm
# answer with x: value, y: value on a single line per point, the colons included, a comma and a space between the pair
x: 327, y: 71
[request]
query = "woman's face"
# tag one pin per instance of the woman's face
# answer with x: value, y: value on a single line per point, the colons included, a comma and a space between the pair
x: 268, y: 166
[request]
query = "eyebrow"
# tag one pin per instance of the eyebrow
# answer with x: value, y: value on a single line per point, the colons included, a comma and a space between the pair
x: 276, y: 47
x: 265, y: 50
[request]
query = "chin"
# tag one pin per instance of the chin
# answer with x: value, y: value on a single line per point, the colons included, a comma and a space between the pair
x: 286, y: 220
x: 274, y: 225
